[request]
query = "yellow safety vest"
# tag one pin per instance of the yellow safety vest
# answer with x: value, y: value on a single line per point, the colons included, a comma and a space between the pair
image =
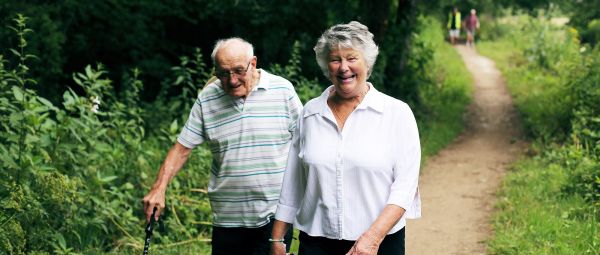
x: 457, y: 21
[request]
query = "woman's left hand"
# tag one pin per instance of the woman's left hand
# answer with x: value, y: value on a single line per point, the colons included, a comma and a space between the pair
x: 367, y: 244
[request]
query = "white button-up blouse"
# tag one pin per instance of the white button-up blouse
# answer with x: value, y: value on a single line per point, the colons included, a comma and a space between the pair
x: 337, y: 183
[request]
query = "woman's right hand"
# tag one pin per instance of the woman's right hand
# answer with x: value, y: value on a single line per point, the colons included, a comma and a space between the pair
x: 278, y: 248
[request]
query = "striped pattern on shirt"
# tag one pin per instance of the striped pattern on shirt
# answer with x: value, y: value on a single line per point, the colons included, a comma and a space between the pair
x: 249, y: 140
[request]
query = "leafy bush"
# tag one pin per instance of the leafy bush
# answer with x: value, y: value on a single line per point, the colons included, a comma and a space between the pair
x: 585, y: 88
x: 491, y: 28
x: 584, y: 180
x: 73, y: 175
x: 306, y: 89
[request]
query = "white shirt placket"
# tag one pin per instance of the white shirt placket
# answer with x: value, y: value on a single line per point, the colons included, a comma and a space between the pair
x: 339, y: 167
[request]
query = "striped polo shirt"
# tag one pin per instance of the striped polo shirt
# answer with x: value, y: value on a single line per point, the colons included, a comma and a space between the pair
x: 249, y: 140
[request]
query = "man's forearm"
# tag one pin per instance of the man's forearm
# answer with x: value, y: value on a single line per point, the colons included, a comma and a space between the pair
x: 174, y: 161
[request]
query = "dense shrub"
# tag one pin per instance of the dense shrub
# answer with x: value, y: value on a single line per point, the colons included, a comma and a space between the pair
x: 73, y: 174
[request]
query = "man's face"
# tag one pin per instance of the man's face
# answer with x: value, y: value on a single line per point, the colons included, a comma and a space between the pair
x: 235, y: 70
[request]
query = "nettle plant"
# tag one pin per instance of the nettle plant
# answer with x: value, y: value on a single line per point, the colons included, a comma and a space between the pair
x: 73, y: 174
x: 59, y: 164
x: 66, y: 182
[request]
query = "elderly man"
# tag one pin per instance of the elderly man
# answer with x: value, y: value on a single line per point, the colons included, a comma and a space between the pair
x: 247, y: 116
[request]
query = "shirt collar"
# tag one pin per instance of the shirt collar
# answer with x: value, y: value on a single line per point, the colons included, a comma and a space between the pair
x: 263, y: 81
x: 373, y: 100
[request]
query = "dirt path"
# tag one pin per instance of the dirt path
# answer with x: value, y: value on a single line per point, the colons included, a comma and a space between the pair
x: 458, y: 185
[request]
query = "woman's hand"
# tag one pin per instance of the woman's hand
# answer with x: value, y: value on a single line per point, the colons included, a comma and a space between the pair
x: 277, y: 248
x: 367, y: 244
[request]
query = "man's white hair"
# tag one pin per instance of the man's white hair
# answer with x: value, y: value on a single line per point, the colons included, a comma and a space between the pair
x: 224, y: 42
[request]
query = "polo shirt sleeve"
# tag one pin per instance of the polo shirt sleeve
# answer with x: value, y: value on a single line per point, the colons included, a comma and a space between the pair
x: 404, y: 191
x: 294, y: 108
x: 192, y: 134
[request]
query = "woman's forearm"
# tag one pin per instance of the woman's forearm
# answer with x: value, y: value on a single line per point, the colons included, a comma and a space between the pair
x: 386, y: 220
x: 279, y: 229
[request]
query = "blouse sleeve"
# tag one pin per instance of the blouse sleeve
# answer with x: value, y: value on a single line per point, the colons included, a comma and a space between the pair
x: 294, y: 181
x: 404, y: 191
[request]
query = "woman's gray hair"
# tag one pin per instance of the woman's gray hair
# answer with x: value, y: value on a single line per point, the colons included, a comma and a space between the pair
x: 222, y: 42
x: 353, y: 35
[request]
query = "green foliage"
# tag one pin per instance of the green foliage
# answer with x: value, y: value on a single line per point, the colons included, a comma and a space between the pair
x: 535, y: 218
x: 585, y: 17
x: 584, y: 181
x: 549, y: 204
x: 544, y: 59
x: 73, y: 175
x: 306, y: 89
x: 585, y: 88
x: 491, y: 28
x: 168, y: 112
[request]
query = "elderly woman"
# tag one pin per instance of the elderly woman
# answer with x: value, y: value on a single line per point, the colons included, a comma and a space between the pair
x: 352, y: 175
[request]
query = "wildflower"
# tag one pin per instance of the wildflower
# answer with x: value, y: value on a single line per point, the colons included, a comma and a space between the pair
x: 95, y: 104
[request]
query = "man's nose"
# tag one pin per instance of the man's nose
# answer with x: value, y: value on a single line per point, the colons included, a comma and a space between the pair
x: 233, y: 79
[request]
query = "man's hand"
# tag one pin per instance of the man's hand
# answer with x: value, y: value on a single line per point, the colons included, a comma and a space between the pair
x: 155, y: 198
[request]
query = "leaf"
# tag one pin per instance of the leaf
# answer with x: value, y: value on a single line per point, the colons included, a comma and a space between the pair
x: 15, y: 118
x: 17, y: 93
x: 88, y: 71
x: 128, y: 186
x: 46, y: 103
x: 108, y: 179
x: 61, y: 240
x: 46, y: 168
x: 15, y: 52
x: 102, y: 147
x: 29, y: 139
x: 179, y: 80
x: 174, y: 127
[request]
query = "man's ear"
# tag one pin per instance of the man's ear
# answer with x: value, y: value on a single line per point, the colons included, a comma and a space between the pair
x: 255, y: 59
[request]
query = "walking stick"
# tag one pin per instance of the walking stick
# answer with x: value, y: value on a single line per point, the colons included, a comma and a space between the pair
x: 149, y: 228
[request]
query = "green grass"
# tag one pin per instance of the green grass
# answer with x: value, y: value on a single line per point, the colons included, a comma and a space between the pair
x: 534, y: 217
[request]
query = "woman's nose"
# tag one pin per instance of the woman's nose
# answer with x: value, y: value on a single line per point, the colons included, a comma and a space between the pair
x: 343, y: 66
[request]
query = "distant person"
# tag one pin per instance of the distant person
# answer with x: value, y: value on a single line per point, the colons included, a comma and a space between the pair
x: 353, y: 169
x: 247, y: 117
x: 471, y: 24
x: 454, y: 22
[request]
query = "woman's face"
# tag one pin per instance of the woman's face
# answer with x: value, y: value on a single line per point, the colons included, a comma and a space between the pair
x: 348, y: 71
